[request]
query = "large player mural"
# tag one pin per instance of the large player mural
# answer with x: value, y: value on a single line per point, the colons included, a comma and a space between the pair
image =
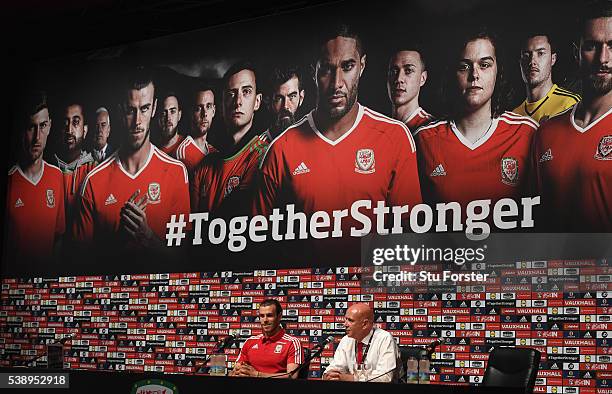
x: 197, y: 155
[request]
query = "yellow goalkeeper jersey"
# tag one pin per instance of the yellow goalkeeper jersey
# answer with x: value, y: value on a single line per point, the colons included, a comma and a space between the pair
x: 556, y: 100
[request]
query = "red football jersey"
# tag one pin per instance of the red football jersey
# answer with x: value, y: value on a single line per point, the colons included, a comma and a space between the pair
x: 190, y: 154
x: 417, y: 119
x: 108, y: 187
x: 35, y: 212
x: 271, y: 355
x: 172, y: 149
x: 494, y: 167
x: 221, y: 180
x: 73, y: 180
x: 574, y: 173
x: 375, y: 160
x: 74, y: 175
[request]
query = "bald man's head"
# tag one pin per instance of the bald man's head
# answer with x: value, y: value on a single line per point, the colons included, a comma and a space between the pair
x: 358, y: 321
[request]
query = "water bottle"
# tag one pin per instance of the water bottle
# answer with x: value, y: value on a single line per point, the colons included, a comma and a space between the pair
x: 424, y: 366
x: 412, y: 370
x: 217, y: 365
x: 425, y: 361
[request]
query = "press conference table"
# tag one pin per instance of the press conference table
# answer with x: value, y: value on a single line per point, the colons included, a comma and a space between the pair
x: 123, y: 382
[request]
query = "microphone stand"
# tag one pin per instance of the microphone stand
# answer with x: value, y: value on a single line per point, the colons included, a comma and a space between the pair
x: 36, y: 358
x: 421, y: 352
x: 200, y: 367
x: 216, y: 350
x: 297, y: 369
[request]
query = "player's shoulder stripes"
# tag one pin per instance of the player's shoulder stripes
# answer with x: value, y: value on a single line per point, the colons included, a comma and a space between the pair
x: 15, y: 168
x: 424, y: 114
x: 167, y: 159
x: 293, y: 126
x: 514, y: 118
x: 564, y: 92
x: 384, y: 118
x: 254, y: 338
x: 186, y: 141
x: 296, y: 342
x: 571, y: 96
x: 163, y: 155
x: 298, y: 347
x: 161, y: 152
x: 109, y: 160
x: 288, y: 129
x: 567, y: 91
x: 45, y: 163
x: 180, y: 150
x: 266, y: 136
x: 430, y: 126
x: 56, y: 169
x: 378, y: 116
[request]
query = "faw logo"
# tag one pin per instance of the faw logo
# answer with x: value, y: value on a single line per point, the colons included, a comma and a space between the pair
x: 154, y: 386
x: 510, y: 171
x: 154, y: 193
x: 604, y: 148
x: 365, y: 162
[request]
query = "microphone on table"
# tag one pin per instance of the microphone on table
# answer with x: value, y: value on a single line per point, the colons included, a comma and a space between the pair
x: 64, y: 339
x: 225, y: 343
x: 431, y: 348
x: 221, y: 345
x: 320, y: 347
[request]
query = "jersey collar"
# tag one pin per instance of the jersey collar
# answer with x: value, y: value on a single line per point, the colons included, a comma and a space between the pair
x: 274, y: 337
x: 412, y: 115
x: 585, y: 129
x: 84, y: 157
x: 232, y: 150
x: 37, y: 177
x: 141, y: 169
x: 481, y: 140
x: 192, y: 141
x: 540, y: 101
x: 313, y: 126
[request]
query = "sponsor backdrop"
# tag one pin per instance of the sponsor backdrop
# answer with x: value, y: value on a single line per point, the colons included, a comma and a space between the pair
x: 170, y: 322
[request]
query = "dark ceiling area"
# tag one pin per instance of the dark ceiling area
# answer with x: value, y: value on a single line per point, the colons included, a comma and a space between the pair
x: 43, y: 29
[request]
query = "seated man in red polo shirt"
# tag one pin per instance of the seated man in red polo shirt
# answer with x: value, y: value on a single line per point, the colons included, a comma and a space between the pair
x: 271, y: 353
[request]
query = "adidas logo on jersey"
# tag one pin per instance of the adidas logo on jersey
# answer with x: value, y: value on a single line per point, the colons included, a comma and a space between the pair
x: 547, y: 156
x: 110, y: 200
x: 301, y: 169
x: 438, y: 171
x: 256, y: 346
x: 18, y: 203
